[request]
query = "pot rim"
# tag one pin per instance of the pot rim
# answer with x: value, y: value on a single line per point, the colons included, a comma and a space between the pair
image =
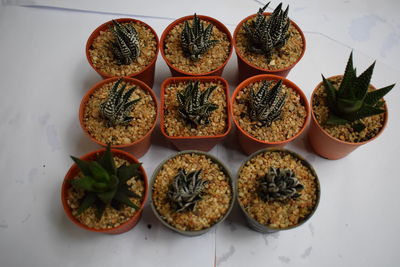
x: 239, y: 26
x: 271, y: 77
x: 224, y: 169
x: 172, y: 80
x: 74, y: 168
x: 304, y: 162
x: 98, y: 85
x: 103, y: 27
x: 213, y: 21
x: 314, y: 119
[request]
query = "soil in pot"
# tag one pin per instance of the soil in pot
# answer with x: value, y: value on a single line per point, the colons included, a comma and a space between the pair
x: 102, y: 57
x: 276, y: 214
x: 209, y: 61
x: 111, y: 217
x: 216, y: 196
x: 344, y: 132
x: 176, y: 125
x: 291, y: 121
x: 143, y: 112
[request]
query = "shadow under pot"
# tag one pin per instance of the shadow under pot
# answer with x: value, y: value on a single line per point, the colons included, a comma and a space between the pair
x: 121, y: 112
x: 112, y: 218
x: 277, y: 190
x: 195, y: 111
x: 337, y: 141
x: 268, y: 111
x: 104, y: 54
x: 203, y: 54
x: 255, y: 57
x: 191, y: 192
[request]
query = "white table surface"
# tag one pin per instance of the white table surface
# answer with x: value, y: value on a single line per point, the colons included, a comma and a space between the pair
x: 44, y: 74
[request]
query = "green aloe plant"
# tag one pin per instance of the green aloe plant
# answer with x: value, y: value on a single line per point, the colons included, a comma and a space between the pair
x: 352, y: 101
x: 126, y: 47
x: 104, y: 184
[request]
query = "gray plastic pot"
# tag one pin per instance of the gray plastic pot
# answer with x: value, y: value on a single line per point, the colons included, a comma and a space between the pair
x: 254, y: 224
x: 203, y: 231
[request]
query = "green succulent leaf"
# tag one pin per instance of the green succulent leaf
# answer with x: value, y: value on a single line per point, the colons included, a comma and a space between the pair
x: 126, y: 172
x: 373, y: 97
x: 83, y: 183
x: 335, y: 120
x: 123, y: 198
x: 330, y: 92
x: 365, y: 111
x: 100, y: 208
x: 349, y: 78
x: 107, y: 196
x: 82, y: 165
x: 358, y: 126
x: 87, y: 201
x: 107, y: 161
x: 125, y: 190
x: 348, y: 106
x: 98, y: 172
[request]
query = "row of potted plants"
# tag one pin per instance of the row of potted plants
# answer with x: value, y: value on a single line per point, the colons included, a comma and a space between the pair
x: 191, y: 191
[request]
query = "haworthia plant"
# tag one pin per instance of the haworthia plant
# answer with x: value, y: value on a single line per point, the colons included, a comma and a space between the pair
x: 126, y: 46
x: 266, y: 105
x: 279, y: 184
x: 195, y: 39
x: 352, y: 101
x: 186, y: 190
x: 194, y: 105
x: 104, y: 184
x: 267, y: 35
x: 116, y: 109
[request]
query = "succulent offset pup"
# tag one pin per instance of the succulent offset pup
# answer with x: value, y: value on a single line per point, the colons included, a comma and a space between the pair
x: 104, y: 184
x: 352, y: 100
x: 186, y: 190
x: 279, y: 184
x: 126, y: 46
x: 267, y: 35
x: 266, y: 105
x: 115, y: 110
x: 194, y: 105
x: 196, y: 40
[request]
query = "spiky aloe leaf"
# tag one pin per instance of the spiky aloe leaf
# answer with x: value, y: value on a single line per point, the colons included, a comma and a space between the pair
x: 126, y: 46
x: 87, y: 201
x: 373, y: 97
x: 125, y: 172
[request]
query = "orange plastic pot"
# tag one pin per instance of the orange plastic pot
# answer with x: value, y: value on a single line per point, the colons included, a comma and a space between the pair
x: 203, y: 143
x: 250, y: 144
x: 73, y: 172
x: 140, y: 146
x: 328, y: 146
x: 146, y: 75
x: 246, y: 69
x: 177, y: 72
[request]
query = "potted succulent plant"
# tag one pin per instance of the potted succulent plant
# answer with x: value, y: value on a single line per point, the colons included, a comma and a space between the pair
x: 105, y: 191
x: 347, y: 112
x: 268, y: 111
x: 196, y: 46
x: 191, y: 192
x: 121, y: 112
x: 277, y: 190
x: 124, y: 47
x: 268, y: 43
x: 195, y: 112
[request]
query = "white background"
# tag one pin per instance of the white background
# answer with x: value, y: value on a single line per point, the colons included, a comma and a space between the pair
x: 44, y: 74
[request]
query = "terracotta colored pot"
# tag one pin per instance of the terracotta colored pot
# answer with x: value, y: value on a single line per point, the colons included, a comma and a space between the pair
x: 203, y: 143
x: 177, y: 72
x: 250, y: 144
x: 146, y: 75
x: 73, y: 172
x: 328, y: 146
x: 140, y: 146
x: 246, y: 69
x: 254, y: 224
x: 203, y: 231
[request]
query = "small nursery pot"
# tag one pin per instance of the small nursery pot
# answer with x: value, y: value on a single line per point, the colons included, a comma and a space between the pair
x: 263, y: 228
x: 328, y: 146
x: 73, y: 172
x: 139, y: 147
x: 250, y: 144
x: 246, y: 69
x: 177, y: 72
x: 202, y: 231
x: 146, y: 74
x: 203, y: 143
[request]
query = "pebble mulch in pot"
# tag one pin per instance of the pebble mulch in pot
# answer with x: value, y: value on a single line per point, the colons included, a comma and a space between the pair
x: 212, y: 51
x: 121, y: 127
x: 191, y: 192
x: 273, y: 128
x: 277, y: 189
x: 142, y: 50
